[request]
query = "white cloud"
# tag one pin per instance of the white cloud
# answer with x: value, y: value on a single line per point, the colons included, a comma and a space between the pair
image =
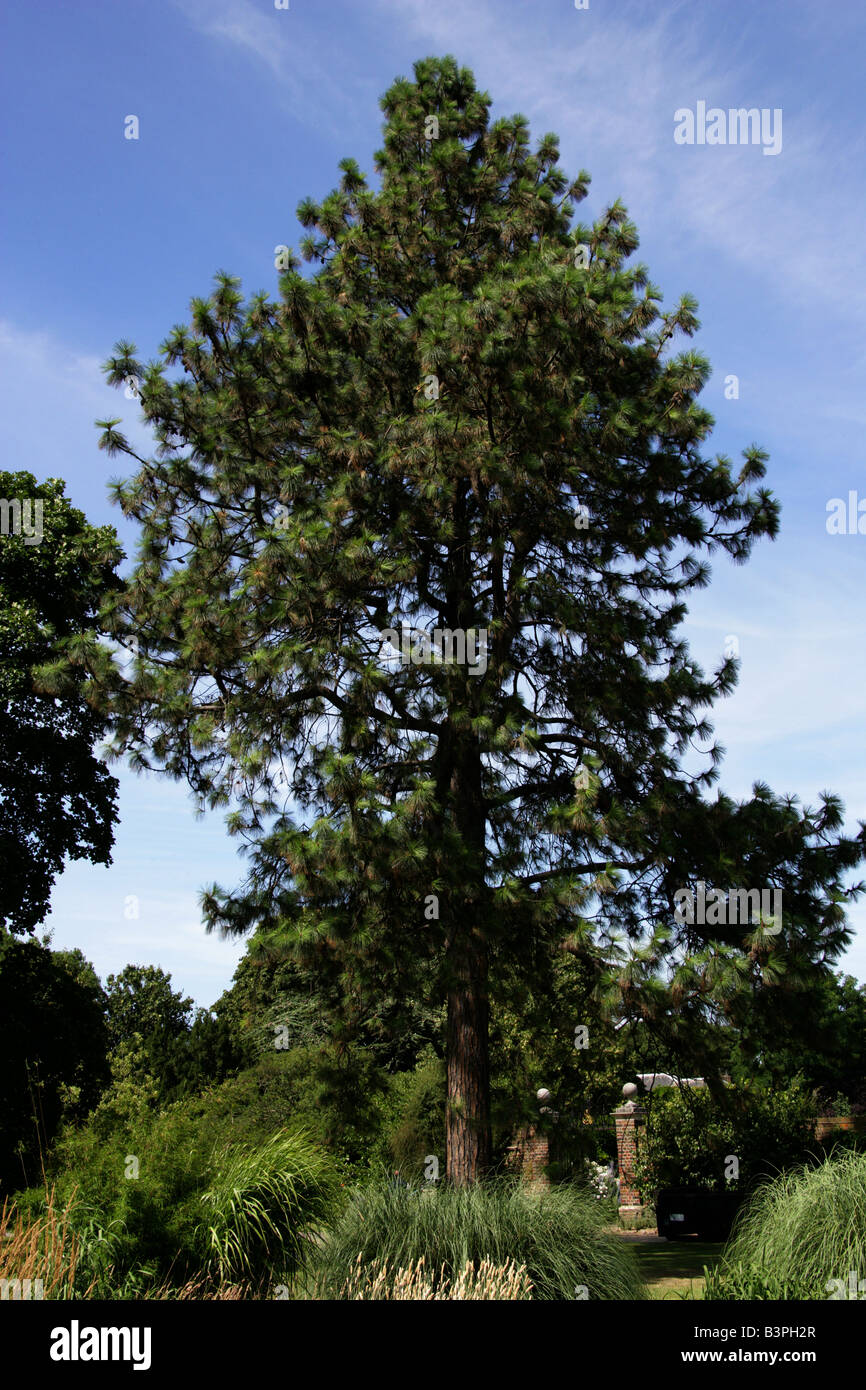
x: 46, y: 382
x: 289, y: 46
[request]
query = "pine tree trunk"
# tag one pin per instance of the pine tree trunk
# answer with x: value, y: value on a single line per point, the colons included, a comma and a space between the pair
x: 467, y: 1063
x: 467, y: 1124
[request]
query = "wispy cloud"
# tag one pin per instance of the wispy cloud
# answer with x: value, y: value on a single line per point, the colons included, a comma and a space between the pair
x: 45, y: 380
x: 289, y: 45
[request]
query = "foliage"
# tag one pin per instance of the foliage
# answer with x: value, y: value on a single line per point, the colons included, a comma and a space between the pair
x: 557, y: 1235
x: 141, y: 1000
x: 798, y: 1233
x: 147, y: 1219
x: 331, y: 1093
x: 132, y: 1096
x: 414, y: 1118
x: 202, y: 1056
x: 272, y: 996
x: 136, y: 1174
x: 57, y: 800
x: 691, y: 1134
x: 533, y: 1043
x: 140, y: 1179
x: 738, y: 1281
x: 54, y: 1051
x: 814, y: 1027
x: 184, y: 1054
x: 334, y: 1094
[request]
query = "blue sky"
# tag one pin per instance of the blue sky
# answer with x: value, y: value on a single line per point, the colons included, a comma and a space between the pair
x: 244, y: 109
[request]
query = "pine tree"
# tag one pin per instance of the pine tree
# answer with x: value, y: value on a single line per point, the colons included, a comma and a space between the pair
x: 470, y: 416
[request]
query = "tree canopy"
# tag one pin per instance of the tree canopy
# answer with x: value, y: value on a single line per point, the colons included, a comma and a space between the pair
x: 55, y: 1047
x: 57, y: 798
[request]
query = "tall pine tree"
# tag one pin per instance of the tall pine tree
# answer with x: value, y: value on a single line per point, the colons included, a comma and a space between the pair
x: 470, y: 416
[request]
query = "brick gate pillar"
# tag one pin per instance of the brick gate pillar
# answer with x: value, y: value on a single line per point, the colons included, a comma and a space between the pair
x: 529, y: 1154
x: 628, y: 1120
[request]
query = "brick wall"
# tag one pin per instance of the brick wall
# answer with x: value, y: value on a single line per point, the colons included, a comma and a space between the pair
x: 529, y: 1155
x: 825, y: 1123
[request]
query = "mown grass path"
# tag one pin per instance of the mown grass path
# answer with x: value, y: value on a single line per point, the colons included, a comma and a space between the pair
x: 673, y: 1269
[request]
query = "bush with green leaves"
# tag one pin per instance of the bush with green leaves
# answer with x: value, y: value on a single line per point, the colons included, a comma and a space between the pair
x: 691, y: 1136
x: 558, y: 1234
x: 800, y: 1236
x: 413, y: 1118
x: 168, y: 1194
x: 135, y: 1180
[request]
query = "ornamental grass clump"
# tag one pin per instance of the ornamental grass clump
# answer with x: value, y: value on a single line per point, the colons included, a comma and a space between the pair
x: 489, y: 1282
x: 39, y: 1251
x: 801, y: 1236
x: 556, y: 1236
x: 264, y: 1207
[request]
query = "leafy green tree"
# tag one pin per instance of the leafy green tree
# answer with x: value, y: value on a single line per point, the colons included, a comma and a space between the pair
x: 205, y: 1055
x: 184, y: 1051
x: 414, y: 1130
x: 55, y: 1051
x: 815, y: 1028
x: 141, y: 1000
x: 142, y: 1004
x: 469, y: 419
x: 131, y: 1097
x: 57, y: 799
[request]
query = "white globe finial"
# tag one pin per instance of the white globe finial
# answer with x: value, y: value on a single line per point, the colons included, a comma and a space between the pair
x: 629, y: 1090
x: 543, y: 1096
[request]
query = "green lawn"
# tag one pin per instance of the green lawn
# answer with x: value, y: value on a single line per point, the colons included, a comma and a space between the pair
x: 675, y: 1268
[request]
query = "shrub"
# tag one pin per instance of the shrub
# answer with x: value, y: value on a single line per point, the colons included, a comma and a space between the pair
x: 413, y: 1117
x: 54, y: 1050
x: 135, y: 1193
x: 331, y: 1095
x: 797, y: 1234
x: 557, y: 1234
x: 690, y: 1134
x: 197, y: 1196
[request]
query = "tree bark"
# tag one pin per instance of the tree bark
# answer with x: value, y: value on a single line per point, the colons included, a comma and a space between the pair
x: 467, y: 1123
x: 467, y: 1119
